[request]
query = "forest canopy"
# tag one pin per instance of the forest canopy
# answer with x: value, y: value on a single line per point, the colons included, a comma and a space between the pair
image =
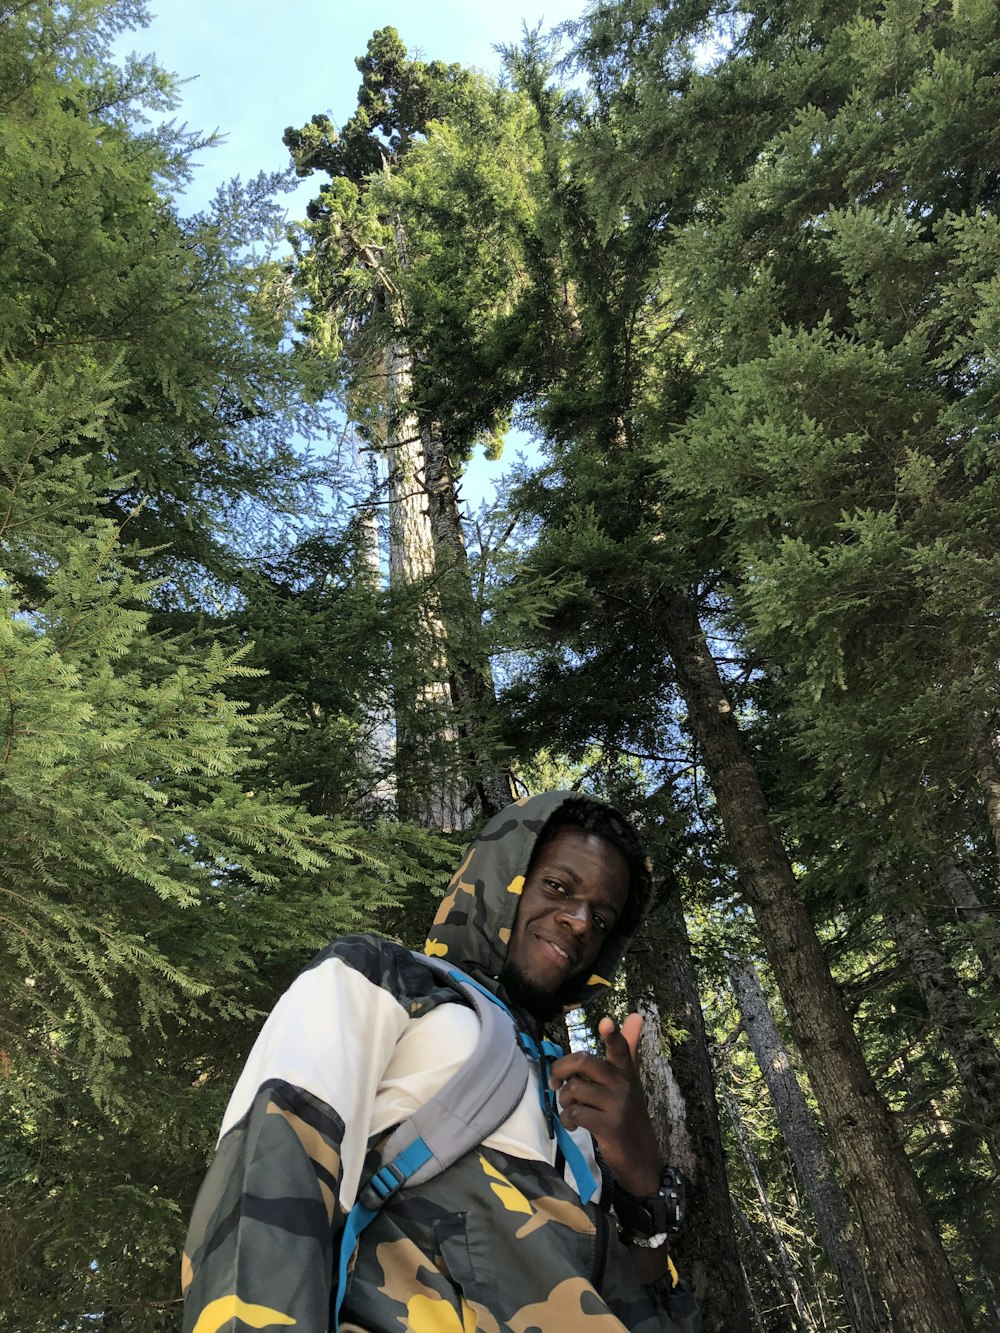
x: 734, y: 268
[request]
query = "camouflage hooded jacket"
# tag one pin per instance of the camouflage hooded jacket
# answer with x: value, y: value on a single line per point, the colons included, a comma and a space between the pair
x: 501, y: 1240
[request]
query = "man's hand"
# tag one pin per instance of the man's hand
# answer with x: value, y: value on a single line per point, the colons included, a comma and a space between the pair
x: 605, y: 1098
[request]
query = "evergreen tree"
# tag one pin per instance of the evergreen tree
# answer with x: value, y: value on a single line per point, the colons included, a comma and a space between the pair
x: 620, y: 384
x: 161, y: 877
x: 108, y: 296
x: 812, y: 292
x: 356, y: 261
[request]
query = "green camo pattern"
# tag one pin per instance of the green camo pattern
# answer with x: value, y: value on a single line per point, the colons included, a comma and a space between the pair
x: 494, y: 1244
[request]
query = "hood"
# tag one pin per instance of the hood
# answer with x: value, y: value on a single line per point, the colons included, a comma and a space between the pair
x: 473, y: 924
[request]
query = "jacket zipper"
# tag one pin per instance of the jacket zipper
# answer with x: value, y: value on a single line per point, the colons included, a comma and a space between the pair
x: 600, y: 1248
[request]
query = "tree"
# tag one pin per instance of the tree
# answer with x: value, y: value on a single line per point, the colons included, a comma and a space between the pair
x: 682, y: 1095
x: 617, y: 390
x: 160, y: 880
x: 812, y: 1161
x: 177, y: 323
x: 823, y: 292
x: 354, y: 261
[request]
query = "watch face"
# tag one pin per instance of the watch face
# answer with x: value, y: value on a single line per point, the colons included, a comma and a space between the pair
x: 644, y: 1216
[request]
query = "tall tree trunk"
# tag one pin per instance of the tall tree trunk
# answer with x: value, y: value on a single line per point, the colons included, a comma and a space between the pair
x: 376, y: 746
x: 829, y: 1205
x: 910, y: 1262
x: 680, y: 1091
x: 429, y: 793
x: 753, y: 1243
x: 788, y: 1280
x: 986, y: 753
x: 972, y: 914
x: 429, y: 542
x: 471, y: 679
x: 976, y: 1057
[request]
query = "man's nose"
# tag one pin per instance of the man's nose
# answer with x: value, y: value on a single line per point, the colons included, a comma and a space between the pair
x: 575, y: 915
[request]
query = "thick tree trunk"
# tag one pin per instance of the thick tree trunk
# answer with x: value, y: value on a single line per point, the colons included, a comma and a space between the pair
x: 978, y: 923
x: 976, y: 1057
x: 986, y: 753
x: 471, y: 678
x: 788, y: 1281
x: 428, y: 791
x: 830, y: 1208
x: 376, y: 745
x: 428, y: 541
x: 680, y: 1091
x: 913, y: 1273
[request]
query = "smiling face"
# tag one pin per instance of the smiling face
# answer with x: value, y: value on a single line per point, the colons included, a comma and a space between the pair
x: 573, y: 895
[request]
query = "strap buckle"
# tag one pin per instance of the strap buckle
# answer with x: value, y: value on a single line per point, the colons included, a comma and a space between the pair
x: 382, y: 1186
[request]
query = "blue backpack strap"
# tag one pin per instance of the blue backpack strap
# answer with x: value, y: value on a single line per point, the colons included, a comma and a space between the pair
x: 383, y: 1183
x: 545, y: 1053
x: 472, y: 1104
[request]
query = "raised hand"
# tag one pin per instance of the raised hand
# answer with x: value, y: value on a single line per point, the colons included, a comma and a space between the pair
x: 604, y: 1096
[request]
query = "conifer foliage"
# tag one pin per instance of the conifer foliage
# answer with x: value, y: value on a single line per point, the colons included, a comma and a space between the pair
x: 760, y: 551
x: 159, y: 880
x: 735, y: 266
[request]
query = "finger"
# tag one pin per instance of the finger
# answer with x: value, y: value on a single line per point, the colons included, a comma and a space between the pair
x: 632, y: 1031
x: 616, y: 1048
x: 578, y: 1092
x: 592, y: 1118
x: 579, y: 1064
x: 579, y: 1116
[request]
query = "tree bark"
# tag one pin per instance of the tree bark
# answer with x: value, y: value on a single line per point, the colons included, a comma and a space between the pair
x: 829, y: 1205
x: 471, y: 679
x: 788, y: 1280
x: 986, y: 753
x: 972, y: 914
x: 376, y: 746
x: 428, y: 792
x: 681, y: 1094
x: 913, y: 1272
x: 976, y: 1057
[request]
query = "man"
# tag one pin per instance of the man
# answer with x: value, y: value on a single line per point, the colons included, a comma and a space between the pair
x: 540, y: 913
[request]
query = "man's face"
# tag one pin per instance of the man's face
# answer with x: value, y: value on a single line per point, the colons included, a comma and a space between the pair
x: 573, y: 895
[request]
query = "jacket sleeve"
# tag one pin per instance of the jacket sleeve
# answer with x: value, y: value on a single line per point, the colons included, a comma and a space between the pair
x: 264, y: 1229
x: 676, y: 1308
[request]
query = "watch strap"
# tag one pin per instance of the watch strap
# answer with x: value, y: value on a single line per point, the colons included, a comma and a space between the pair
x: 645, y: 1242
x: 654, y: 1214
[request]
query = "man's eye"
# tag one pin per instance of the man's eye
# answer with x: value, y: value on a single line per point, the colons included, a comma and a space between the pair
x: 554, y: 884
x: 600, y: 922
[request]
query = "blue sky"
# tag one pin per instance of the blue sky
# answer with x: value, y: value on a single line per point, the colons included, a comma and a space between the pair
x: 254, y: 66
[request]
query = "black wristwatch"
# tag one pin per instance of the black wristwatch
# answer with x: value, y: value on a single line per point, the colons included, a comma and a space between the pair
x: 656, y: 1216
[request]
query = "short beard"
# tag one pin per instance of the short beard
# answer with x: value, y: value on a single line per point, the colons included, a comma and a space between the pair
x: 541, y: 1004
